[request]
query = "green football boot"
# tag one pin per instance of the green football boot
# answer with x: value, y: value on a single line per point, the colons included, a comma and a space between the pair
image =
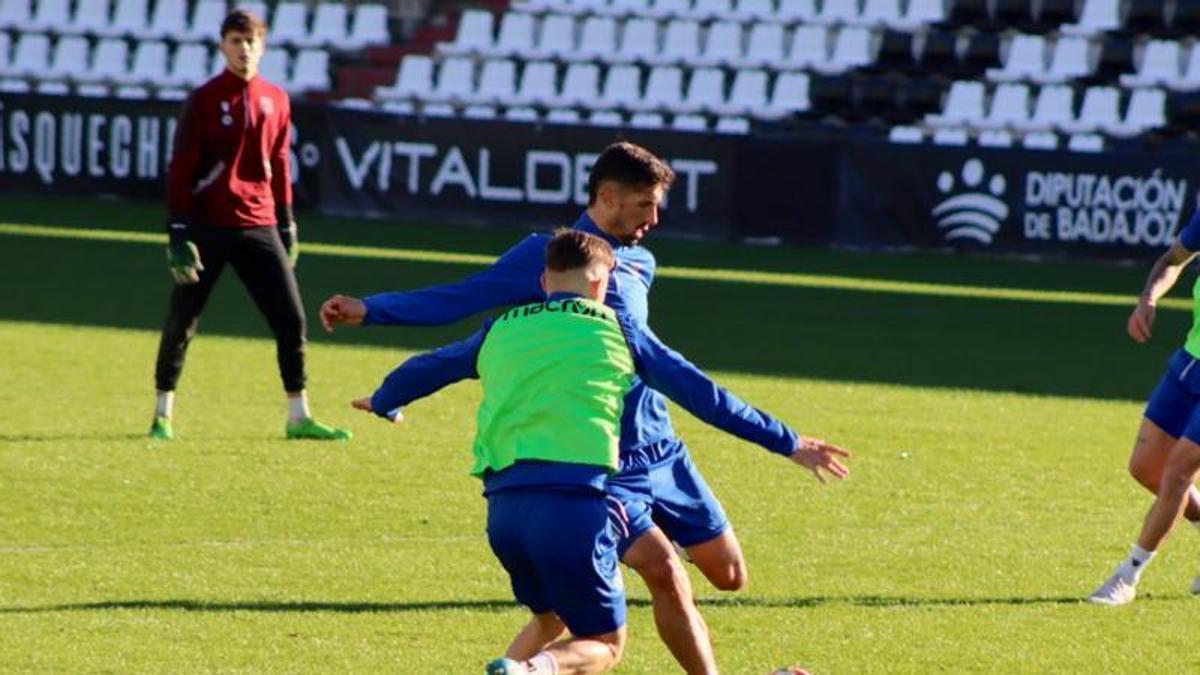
x: 505, y: 667
x: 161, y: 430
x: 314, y: 430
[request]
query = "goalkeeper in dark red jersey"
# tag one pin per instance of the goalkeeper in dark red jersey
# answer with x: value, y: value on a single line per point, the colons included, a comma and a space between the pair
x: 229, y: 196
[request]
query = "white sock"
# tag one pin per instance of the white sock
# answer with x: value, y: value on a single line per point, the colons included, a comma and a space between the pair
x: 164, y: 403
x: 298, y: 407
x: 542, y: 663
x: 1131, y: 570
x: 1194, y: 497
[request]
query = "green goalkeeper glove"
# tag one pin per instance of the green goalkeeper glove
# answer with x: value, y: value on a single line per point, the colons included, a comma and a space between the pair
x: 286, y: 222
x: 183, y: 259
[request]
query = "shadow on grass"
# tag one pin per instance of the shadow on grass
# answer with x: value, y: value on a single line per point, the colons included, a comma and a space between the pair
x: 864, y: 601
x: 775, y: 330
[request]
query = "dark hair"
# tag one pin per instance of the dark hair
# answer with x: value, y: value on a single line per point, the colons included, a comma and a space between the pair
x: 243, y: 21
x: 574, y: 249
x: 629, y: 165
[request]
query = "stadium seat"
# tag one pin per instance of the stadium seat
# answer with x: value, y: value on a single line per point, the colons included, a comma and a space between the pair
x: 663, y: 91
x: 896, y: 52
x: 515, y: 37
x: 414, y: 79
x: 722, y: 45
x: 1041, y: 140
x: 626, y: 8
x: 689, y: 123
x: 257, y: 7
x: 597, y: 39
x: 969, y: 13
x: 681, y: 43
x: 875, y: 97
x: 1053, y: 109
x: 369, y: 26
x: 711, y: 10
x: 556, y: 37
x: 851, y: 49
x: 1086, y: 143
x: 52, y: 88
x: 764, y: 48
x: 474, y: 34
x: 497, y: 83
x: 289, y: 24
x: 274, y: 67
x: 311, y: 71
x: 131, y: 18
x: 582, y: 7
x: 937, y: 52
x: 789, y: 96
x: 838, y: 13
x: 1185, y: 20
x: 981, y: 53
x: 51, y: 15
x: 92, y: 90
x: 605, y: 118
x: 581, y: 84
x: 149, y: 67
x: 1115, y: 59
x: 1013, y: 15
x: 563, y: 116
x: 1097, y: 16
x: 205, y: 25
x: 1068, y: 61
x: 16, y: 14
x: 170, y: 94
x: 1026, y: 60
x: 479, y: 112
x: 1159, y: 65
x: 1100, y: 110
x: 1147, y: 110
x: 831, y: 96
x: 878, y: 14
x: 455, y: 81
x: 31, y: 57
x: 69, y: 59
x: 189, y: 66
x: 921, y: 14
x: 754, y: 11
x: 964, y: 106
x: 809, y: 48
x: 437, y: 110
x: 705, y: 91
x: 639, y: 41
x: 905, y: 134
x: 995, y: 138
x: 1010, y: 107
x: 646, y: 120
x: 538, y: 84
x: 668, y: 9
x: 5, y: 48
x: 521, y: 114
x: 622, y: 88
x: 110, y: 61
x: 169, y: 20
x: 330, y: 26
x: 748, y: 94
x: 131, y: 92
x: 920, y: 97
x: 90, y: 17
x: 11, y: 85
x: 732, y: 125
x: 399, y: 107
x: 953, y: 137
x: 1055, y: 13
x: 796, y: 11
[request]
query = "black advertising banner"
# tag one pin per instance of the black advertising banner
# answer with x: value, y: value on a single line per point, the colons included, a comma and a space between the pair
x: 787, y: 188
x: 517, y: 173
x: 89, y: 146
x: 1104, y: 205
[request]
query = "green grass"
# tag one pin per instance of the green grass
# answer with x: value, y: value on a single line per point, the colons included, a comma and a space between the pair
x: 991, y: 431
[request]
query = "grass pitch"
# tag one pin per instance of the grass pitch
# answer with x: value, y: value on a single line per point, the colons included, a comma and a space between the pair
x: 990, y: 404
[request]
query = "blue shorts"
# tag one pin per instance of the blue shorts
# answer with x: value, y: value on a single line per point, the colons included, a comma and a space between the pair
x: 672, y: 495
x: 1175, y: 404
x: 560, y: 551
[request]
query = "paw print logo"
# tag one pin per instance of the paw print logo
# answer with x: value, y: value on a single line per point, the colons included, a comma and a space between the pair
x: 973, y: 208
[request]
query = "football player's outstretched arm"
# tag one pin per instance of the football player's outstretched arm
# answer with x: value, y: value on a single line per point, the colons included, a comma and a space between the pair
x: 423, y: 375
x: 513, y: 279
x: 681, y: 381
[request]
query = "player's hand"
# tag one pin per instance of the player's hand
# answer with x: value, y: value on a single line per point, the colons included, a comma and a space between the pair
x: 364, y: 404
x: 342, y: 309
x: 1141, y: 321
x: 817, y: 455
x: 183, y: 259
x: 291, y: 243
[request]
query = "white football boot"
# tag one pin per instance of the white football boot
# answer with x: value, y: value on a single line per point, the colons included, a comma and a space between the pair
x: 1115, y: 591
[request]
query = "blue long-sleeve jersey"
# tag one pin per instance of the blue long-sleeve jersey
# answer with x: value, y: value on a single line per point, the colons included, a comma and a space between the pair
x: 515, y: 279
x: 657, y: 366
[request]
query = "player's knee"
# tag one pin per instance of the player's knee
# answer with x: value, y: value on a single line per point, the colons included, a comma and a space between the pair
x: 732, y: 577
x: 615, y: 641
x: 666, y: 579
x: 1145, y: 472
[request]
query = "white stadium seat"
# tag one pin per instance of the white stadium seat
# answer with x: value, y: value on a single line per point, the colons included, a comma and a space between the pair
x: 1097, y: 16
x: 150, y: 60
x: 110, y: 61
x: 479, y: 112
x: 851, y: 49
x: 639, y: 41
x: 1147, y: 110
x: 964, y: 105
x: 515, y: 38
x: 1053, y: 109
x: 274, y: 67
x: 538, y: 84
x: 722, y: 45
x: 747, y: 95
x: 330, y: 26
x: 53, y: 88
x: 31, y: 56
x: 5, y: 48
x: 905, y: 134
x: 789, y: 96
x: 764, y: 47
x: 131, y: 17
x: 921, y: 13
x: 1010, y: 107
x: 455, y: 81
x: 622, y: 87
x: 70, y: 58
x: 732, y: 125
x: 189, y: 65
x: 1086, y: 143
x: 91, y: 16
x: 1041, y: 140
x: 563, y: 116
x: 689, y: 123
x: 995, y: 138
x: 169, y: 20
x: 796, y: 11
x: 474, y: 34
x: 705, y: 91
x: 1159, y: 65
x: 205, y: 25
x: 606, y: 118
x: 521, y: 114
x: 646, y: 120
x: 597, y: 39
x: 1100, y: 110
x: 51, y: 15
x: 663, y: 91
x: 1026, y: 60
x: 414, y: 79
x: 681, y: 43
x: 1069, y: 61
x: 711, y: 10
x: 953, y: 137
x: 556, y: 37
x: 310, y: 71
x: 16, y: 14
x: 809, y: 48
x: 581, y: 84
x: 1190, y: 79
x: 369, y: 26
x: 497, y: 82
x: 837, y: 12
x: 289, y: 24
x: 754, y: 10
x: 879, y: 13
